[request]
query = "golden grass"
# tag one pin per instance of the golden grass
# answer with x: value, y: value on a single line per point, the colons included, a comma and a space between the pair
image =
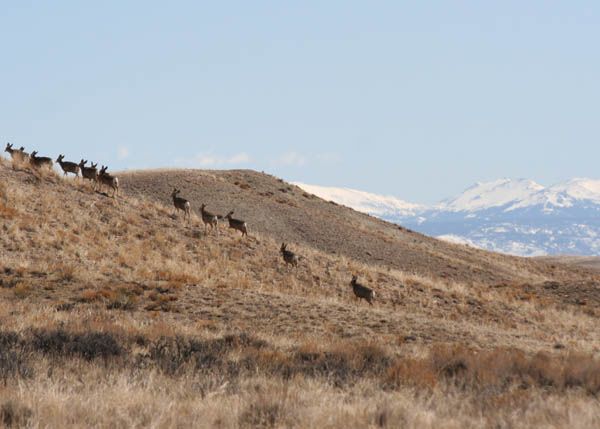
x: 431, y: 352
x: 240, y: 381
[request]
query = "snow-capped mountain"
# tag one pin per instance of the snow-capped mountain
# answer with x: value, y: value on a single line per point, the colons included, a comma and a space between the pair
x: 516, y: 216
x: 376, y: 205
x: 491, y: 194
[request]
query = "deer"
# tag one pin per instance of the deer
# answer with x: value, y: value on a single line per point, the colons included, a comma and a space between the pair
x: 67, y: 166
x: 362, y: 292
x: 109, y: 180
x: 289, y: 257
x: 25, y: 154
x: 89, y: 173
x: 238, y: 224
x: 209, y: 219
x: 181, y: 204
x: 17, y: 155
x: 40, y: 161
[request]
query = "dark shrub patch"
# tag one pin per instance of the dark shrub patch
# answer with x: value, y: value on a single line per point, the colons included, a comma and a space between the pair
x: 14, y: 358
x: 172, y: 354
x: 90, y: 345
x: 50, y: 342
x: 8, y: 340
x: 14, y: 415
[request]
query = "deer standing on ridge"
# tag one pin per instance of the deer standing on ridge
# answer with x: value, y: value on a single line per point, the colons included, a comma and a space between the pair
x: 17, y: 155
x: 209, y: 218
x: 109, y: 180
x: 181, y: 204
x: 40, y: 161
x: 238, y: 224
x: 89, y: 173
x: 67, y: 166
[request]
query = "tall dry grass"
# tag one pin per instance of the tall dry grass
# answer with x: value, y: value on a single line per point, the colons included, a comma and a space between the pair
x: 119, y: 314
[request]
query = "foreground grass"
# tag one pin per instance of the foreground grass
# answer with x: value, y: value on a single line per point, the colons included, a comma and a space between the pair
x: 59, y: 378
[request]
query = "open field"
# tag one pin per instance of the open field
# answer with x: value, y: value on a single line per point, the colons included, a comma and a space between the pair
x: 117, y: 313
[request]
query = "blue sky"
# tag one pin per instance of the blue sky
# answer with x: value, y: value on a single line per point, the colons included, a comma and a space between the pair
x: 414, y: 99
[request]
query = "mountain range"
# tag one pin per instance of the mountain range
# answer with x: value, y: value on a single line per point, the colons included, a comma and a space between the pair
x: 515, y: 216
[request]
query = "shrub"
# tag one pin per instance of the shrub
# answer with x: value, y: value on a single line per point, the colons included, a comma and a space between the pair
x: 89, y: 345
x: 14, y: 359
x: 14, y: 415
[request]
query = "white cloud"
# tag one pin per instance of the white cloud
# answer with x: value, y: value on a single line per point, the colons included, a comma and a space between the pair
x: 296, y: 159
x: 212, y: 160
x: 122, y: 152
x: 291, y: 158
x: 239, y: 158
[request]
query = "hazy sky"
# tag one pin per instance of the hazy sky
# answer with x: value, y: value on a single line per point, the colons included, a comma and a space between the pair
x: 414, y: 99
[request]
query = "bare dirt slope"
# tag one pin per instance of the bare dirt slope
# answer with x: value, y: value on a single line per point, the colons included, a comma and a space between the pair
x: 287, y: 213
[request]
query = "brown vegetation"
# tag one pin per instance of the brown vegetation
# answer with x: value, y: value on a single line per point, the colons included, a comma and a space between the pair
x: 120, y: 315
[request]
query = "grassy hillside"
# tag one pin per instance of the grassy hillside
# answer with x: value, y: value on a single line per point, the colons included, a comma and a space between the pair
x: 286, y: 212
x: 118, y: 313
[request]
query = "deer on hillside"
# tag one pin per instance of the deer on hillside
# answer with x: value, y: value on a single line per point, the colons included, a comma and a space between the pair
x: 209, y: 218
x: 238, y: 224
x: 67, y: 166
x: 109, y: 180
x: 362, y: 292
x: 181, y: 204
x: 17, y: 155
x: 24, y: 157
x: 289, y: 257
x: 89, y: 173
x: 40, y: 161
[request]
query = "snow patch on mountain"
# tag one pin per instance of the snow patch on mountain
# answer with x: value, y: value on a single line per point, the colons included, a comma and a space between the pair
x: 373, y: 204
x: 457, y: 239
x: 492, y: 194
x: 563, y: 195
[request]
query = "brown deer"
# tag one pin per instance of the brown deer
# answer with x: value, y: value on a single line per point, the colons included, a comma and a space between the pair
x: 289, y: 257
x: 17, y: 155
x: 109, y: 180
x: 209, y: 219
x: 67, y: 166
x: 89, y: 173
x: 362, y: 292
x: 238, y: 224
x: 25, y: 154
x: 40, y: 161
x: 181, y: 204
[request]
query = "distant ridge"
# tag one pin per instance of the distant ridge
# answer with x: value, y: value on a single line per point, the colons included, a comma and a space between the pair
x: 515, y: 216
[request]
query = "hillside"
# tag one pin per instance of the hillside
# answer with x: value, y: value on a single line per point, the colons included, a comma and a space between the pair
x: 130, y: 316
x: 287, y: 213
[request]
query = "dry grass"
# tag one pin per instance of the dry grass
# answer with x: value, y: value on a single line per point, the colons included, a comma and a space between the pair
x: 122, y: 305
x: 240, y: 381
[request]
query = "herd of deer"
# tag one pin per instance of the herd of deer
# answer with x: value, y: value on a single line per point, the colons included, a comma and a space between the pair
x: 208, y: 218
x: 98, y: 177
x: 290, y: 258
x: 101, y: 177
